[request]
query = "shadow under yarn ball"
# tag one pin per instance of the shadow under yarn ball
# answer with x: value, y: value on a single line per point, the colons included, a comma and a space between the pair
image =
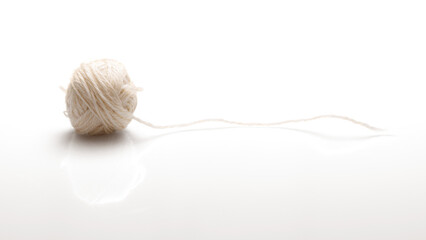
x: 100, y: 98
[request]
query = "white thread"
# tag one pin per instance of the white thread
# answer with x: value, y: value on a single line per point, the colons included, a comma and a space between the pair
x: 253, y: 124
x: 101, y: 99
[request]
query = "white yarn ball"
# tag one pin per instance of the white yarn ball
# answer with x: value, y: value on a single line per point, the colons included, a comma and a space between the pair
x: 100, y: 98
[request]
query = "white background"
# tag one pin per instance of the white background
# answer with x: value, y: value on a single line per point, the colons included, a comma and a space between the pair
x: 240, y: 60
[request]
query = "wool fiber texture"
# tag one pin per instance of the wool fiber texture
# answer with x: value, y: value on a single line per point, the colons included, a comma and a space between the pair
x: 100, y: 98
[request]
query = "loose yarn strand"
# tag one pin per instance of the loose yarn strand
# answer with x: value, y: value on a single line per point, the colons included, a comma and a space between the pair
x: 254, y: 124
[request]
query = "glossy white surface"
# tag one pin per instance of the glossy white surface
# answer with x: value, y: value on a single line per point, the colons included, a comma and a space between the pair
x: 240, y: 60
x: 222, y: 183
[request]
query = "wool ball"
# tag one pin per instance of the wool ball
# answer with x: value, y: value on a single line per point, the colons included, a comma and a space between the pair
x: 100, y: 98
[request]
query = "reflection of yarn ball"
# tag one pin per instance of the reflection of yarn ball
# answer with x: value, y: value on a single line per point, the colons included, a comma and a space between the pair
x: 103, y: 169
x: 100, y: 98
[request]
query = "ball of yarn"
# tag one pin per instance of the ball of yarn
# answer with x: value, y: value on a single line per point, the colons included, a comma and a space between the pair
x: 100, y: 98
